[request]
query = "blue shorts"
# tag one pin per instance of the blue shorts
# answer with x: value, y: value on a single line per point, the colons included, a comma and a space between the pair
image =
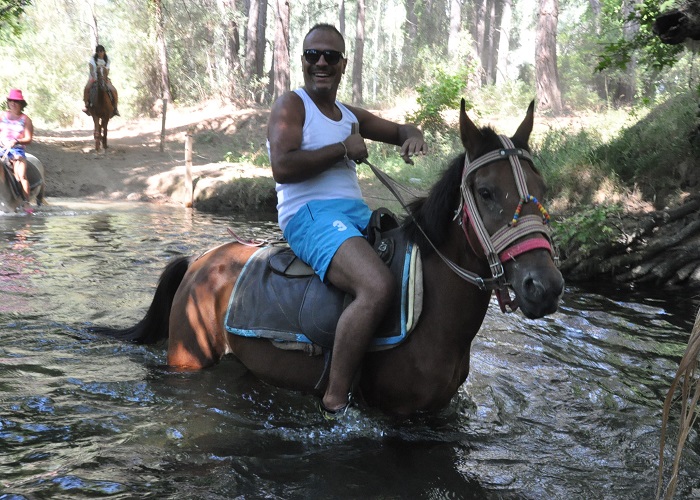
x: 319, y: 228
x: 15, y: 153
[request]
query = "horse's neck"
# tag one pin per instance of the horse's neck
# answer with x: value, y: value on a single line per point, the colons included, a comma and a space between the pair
x: 455, y: 304
x: 458, y: 248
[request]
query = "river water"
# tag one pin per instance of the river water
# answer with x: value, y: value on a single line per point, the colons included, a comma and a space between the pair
x: 564, y: 407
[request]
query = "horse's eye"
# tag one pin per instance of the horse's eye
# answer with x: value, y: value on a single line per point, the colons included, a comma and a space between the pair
x: 485, y: 194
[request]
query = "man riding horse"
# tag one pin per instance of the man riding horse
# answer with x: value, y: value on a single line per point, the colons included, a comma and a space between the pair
x: 313, y: 152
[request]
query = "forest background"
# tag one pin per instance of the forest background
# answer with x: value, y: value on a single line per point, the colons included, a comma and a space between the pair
x: 619, y: 106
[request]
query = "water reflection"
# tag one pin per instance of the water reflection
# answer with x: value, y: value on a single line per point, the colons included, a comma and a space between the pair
x: 563, y: 407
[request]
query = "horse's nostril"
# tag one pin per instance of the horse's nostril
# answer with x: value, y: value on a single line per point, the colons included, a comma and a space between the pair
x: 534, y: 288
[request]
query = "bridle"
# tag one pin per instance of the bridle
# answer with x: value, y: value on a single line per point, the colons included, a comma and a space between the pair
x: 500, y: 246
x: 101, y: 78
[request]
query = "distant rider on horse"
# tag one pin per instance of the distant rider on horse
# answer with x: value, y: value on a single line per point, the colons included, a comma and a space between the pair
x: 99, y: 59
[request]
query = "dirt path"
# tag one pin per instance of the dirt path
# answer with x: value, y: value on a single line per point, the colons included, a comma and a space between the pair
x: 134, y: 168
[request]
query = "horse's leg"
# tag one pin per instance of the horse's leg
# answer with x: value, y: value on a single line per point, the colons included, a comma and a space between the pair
x: 105, y: 121
x: 96, y: 131
x: 197, y: 336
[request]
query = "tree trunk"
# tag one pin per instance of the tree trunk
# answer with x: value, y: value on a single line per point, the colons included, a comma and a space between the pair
x: 546, y: 74
x: 251, y: 39
x: 494, y: 37
x: 627, y: 87
x: 410, y: 33
x: 261, y: 41
x: 162, y: 50
x: 341, y: 17
x: 455, y: 23
x: 479, y: 35
x: 504, y: 42
x: 599, y: 79
x: 359, y: 53
x: 232, y: 44
x: 94, y: 31
x: 281, y: 59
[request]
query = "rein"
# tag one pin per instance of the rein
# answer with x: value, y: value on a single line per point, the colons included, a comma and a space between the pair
x: 500, y: 246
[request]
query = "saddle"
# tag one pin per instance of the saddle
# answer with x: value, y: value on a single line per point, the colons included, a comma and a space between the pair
x: 92, y: 95
x: 280, y: 298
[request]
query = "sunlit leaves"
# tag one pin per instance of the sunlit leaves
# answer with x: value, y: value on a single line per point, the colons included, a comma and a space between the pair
x: 11, y: 18
x: 648, y: 48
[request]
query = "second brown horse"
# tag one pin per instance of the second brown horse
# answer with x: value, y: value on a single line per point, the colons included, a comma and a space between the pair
x: 102, y: 109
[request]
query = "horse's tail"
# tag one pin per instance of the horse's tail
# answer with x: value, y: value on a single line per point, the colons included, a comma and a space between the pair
x: 154, y: 327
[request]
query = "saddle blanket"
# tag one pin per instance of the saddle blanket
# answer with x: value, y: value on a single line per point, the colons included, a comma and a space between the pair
x: 278, y: 297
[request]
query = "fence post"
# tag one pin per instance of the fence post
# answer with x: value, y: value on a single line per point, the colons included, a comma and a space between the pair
x: 189, y: 189
x: 162, y: 125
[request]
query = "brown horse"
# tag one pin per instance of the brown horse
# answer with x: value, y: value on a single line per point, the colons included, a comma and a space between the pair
x: 102, y: 108
x: 475, y: 201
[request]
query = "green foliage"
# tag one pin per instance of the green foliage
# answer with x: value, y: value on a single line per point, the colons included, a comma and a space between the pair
x: 651, y: 52
x: 568, y: 163
x: 442, y: 93
x: 508, y: 99
x: 425, y: 171
x: 242, y: 195
x: 617, y: 154
x: 11, y: 12
x: 586, y: 229
x: 251, y: 156
x: 650, y: 152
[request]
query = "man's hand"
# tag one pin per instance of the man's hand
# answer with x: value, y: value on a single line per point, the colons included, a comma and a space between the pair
x: 411, y: 147
x: 357, y: 149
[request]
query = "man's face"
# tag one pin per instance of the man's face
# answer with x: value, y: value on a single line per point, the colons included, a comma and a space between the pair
x: 320, y: 76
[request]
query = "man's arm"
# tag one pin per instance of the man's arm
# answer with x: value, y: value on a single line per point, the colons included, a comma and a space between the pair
x: 407, y: 135
x: 284, y: 131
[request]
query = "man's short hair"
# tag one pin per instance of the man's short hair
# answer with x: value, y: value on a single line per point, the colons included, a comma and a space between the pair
x: 327, y: 27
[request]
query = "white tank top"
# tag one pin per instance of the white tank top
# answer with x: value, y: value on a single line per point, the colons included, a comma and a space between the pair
x: 338, y: 182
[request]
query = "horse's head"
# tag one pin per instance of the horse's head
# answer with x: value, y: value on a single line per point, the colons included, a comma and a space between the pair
x: 101, y: 78
x: 504, y: 219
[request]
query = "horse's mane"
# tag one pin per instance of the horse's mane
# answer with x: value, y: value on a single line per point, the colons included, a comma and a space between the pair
x: 435, y: 212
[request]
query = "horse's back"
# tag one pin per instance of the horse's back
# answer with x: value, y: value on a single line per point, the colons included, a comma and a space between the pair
x: 35, y: 169
x: 197, y: 335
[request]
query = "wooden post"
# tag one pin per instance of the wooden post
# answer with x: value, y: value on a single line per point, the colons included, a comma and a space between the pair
x: 189, y: 189
x: 162, y: 125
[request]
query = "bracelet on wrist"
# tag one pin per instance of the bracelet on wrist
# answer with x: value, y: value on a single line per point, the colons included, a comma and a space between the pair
x: 346, y: 150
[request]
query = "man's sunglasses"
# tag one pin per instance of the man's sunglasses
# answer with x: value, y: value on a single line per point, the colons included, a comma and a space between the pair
x: 332, y: 57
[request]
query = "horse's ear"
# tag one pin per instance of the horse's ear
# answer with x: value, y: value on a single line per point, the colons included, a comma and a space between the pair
x: 525, y: 128
x: 468, y: 131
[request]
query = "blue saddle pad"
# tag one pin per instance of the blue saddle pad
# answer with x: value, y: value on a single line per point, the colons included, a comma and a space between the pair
x: 272, y: 300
